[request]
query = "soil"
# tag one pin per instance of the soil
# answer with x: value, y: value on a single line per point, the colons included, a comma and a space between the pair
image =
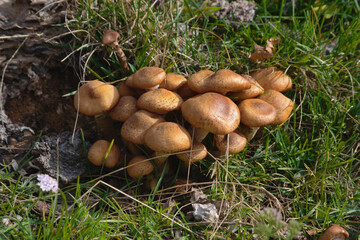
x: 35, y: 79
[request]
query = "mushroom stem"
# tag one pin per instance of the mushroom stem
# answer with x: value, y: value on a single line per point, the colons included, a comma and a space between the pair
x: 249, y: 132
x: 198, y: 134
x: 160, y: 160
x: 111, y: 38
x: 123, y: 60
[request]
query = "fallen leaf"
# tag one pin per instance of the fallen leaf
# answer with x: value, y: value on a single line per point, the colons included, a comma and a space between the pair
x: 259, y: 53
x: 271, y: 44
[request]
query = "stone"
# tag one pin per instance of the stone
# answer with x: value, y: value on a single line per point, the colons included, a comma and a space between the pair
x: 72, y: 155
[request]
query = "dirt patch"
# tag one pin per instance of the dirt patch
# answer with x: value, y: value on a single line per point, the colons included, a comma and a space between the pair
x: 32, y: 43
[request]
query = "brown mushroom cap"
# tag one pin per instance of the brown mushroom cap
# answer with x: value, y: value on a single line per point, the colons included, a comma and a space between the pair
x: 138, y: 166
x: 335, y: 232
x: 197, y: 152
x: 212, y: 112
x: 255, y: 90
x: 173, y: 81
x: 271, y: 78
x: 146, y: 78
x: 95, y: 98
x: 125, y: 90
x: 256, y: 112
x: 97, y: 152
x: 167, y: 137
x: 134, y: 128
x: 125, y: 107
x: 110, y: 38
x: 185, y: 92
x: 237, y: 142
x: 282, y: 104
x: 159, y: 101
x: 221, y: 81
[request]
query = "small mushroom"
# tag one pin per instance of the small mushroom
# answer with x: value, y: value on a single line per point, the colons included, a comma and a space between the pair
x: 146, y: 78
x: 111, y: 38
x: 282, y: 104
x: 97, y: 154
x: 256, y: 113
x: 173, y: 81
x: 234, y: 142
x: 185, y: 92
x: 335, y: 232
x: 125, y: 90
x: 135, y: 127
x: 159, y: 101
x: 271, y: 78
x: 194, y: 154
x: 255, y: 90
x: 124, y: 108
x: 95, y: 97
x: 167, y: 137
x: 139, y: 166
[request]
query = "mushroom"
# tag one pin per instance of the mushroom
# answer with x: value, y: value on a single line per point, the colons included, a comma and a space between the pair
x: 139, y: 166
x: 165, y: 138
x: 100, y: 151
x: 256, y: 113
x: 271, y: 78
x: 221, y: 81
x: 196, y: 152
x: 185, y: 92
x: 135, y: 127
x: 146, y: 78
x: 255, y: 90
x: 211, y: 112
x: 111, y: 38
x: 124, y: 108
x: 335, y: 232
x: 281, y: 103
x: 125, y: 90
x: 173, y: 81
x: 159, y: 101
x: 234, y: 142
x: 95, y: 97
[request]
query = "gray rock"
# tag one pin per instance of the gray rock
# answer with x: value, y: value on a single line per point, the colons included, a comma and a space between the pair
x: 71, y: 157
x: 234, y: 13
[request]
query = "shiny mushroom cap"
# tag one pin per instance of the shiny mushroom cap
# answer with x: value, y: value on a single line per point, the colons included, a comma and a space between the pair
x: 335, y: 232
x: 139, y: 166
x: 255, y: 90
x: 146, y: 78
x: 97, y: 152
x: 256, y: 112
x: 95, y: 98
x: 237, y: 142
x: 271, y: 78
x: 167, y: 137
x: 221, y: 81
x: 173, y: 81
x: 159, y: 101
x: 135, y: 127
x: 282, y: 104
x: 212, y: 112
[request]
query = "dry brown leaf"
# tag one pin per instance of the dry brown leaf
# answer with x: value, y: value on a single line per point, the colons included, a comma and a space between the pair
x: 271, y: 44
x: 259, y: 53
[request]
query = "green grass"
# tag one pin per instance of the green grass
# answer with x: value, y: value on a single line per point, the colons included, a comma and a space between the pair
x: 308, y: 168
